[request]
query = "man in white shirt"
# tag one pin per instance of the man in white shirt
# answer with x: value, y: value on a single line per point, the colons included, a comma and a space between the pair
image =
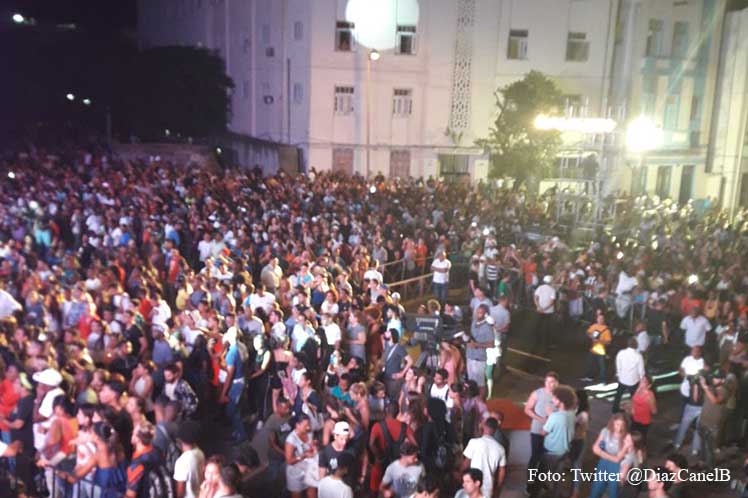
x: 485, y: 454
x: 261, y: 299
x: 545, y: 304
x: 204, y: 248
x: 624, y: 289
x: 332, y: 332
x: 190, y: 466
x: 629, y: 370
x: 441, y: 267
x: 695, y: 327
x: 8, y: 305
x: 690, y: 366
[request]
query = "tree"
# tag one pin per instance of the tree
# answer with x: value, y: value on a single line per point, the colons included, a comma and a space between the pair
x: 181, y: 89
x: 516, y: 147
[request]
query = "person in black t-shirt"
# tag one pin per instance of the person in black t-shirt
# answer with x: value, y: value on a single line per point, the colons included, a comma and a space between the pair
x: 657, y: 327
x: 328, y: 456
x: 21, y: 427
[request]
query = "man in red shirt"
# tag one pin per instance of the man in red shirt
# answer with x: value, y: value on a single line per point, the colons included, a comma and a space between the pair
x: 8, y: 397
x: 378, y: 443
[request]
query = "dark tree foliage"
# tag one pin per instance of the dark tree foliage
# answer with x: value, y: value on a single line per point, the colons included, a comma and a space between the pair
x: 182, y: 89
x: 518, y: 149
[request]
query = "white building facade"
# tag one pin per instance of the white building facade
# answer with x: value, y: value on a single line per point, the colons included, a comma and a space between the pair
x: 301, y: 77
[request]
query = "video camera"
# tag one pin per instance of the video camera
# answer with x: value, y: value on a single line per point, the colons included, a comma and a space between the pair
x: 430, y: 330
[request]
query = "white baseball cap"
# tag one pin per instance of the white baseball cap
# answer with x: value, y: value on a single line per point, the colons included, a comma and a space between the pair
x: 341, y: 429
x: 49, y: 377
x: 547, y: 279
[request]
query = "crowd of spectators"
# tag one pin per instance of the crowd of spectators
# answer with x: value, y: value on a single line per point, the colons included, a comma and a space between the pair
x: 143, y: 302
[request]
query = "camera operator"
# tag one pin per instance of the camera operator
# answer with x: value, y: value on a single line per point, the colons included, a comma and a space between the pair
x: 482, y: 338
x: 719, y: 389
x: 691, y: 368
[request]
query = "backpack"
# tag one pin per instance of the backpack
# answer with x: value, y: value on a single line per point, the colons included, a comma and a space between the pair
x: 172, y: 452
x: 158, y: 483
x: 443, y: 455
x: 392, y: 447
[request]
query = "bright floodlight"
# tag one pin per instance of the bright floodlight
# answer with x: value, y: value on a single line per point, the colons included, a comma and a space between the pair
x: 86, y: 101
x: 70, y: 97
x: 643, y: 135
x: 374, y: 55
x: 18, y: 18
x: 375, y: 22
x: 11, y: 175
x: 578, y: 125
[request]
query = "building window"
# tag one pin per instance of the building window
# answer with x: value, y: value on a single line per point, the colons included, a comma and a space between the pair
x: 298, y: 30
x: 517, y: 48
x: 270, y: 52
x: 695, y: 103
x: 670, y: 121
x: 577, y: 47
x: 454, y: 165
x: 406, y: 40
x: 344, y: 36
x: 680, y: 39
x: 402, y: 102
x: 654, y: 38
x: 343, y: 100
x: 266, y: 34
x: 298, y: 93
x: 662, y: 187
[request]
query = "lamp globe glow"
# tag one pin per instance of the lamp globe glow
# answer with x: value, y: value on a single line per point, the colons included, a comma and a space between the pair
x: 18, y: 18
x: 374, y: 55
x: 643, y: 135
x: 375, y: 21
x: 70, y: 97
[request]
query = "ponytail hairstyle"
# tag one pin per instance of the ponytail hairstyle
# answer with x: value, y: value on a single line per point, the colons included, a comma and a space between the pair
x: 105, y: 432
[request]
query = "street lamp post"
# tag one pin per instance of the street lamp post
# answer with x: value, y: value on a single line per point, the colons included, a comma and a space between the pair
x: 372, y: 57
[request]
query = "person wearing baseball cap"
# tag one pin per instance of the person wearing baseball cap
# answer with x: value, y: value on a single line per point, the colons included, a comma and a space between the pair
x: 329, y: 456
x: 48, y: 388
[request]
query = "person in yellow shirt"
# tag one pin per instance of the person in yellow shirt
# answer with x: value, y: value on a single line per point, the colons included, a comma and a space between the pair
x: 601, y: 337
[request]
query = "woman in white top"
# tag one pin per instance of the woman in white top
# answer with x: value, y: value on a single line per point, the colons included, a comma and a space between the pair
x: 300, y: 451
x: 141, y: 384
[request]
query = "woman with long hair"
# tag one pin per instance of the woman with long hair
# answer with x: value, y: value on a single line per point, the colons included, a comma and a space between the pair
x: 643, y: 407
x: 300, y: 451
x: 141, y: 384
x: 611, y: 446
x: 109, y: 479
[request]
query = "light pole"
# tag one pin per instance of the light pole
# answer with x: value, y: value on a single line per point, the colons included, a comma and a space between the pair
x: 372, y: 57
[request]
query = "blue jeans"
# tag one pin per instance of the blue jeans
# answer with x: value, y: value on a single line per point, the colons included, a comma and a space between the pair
x: 233, y: 409
x: 596, y: 361
x: 691, y: 414
x: 606, y: 486
x: 5, y: 436
x: 440, y: 292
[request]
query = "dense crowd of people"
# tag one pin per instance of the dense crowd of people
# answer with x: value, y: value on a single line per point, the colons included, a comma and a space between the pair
x: 144, y: 303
